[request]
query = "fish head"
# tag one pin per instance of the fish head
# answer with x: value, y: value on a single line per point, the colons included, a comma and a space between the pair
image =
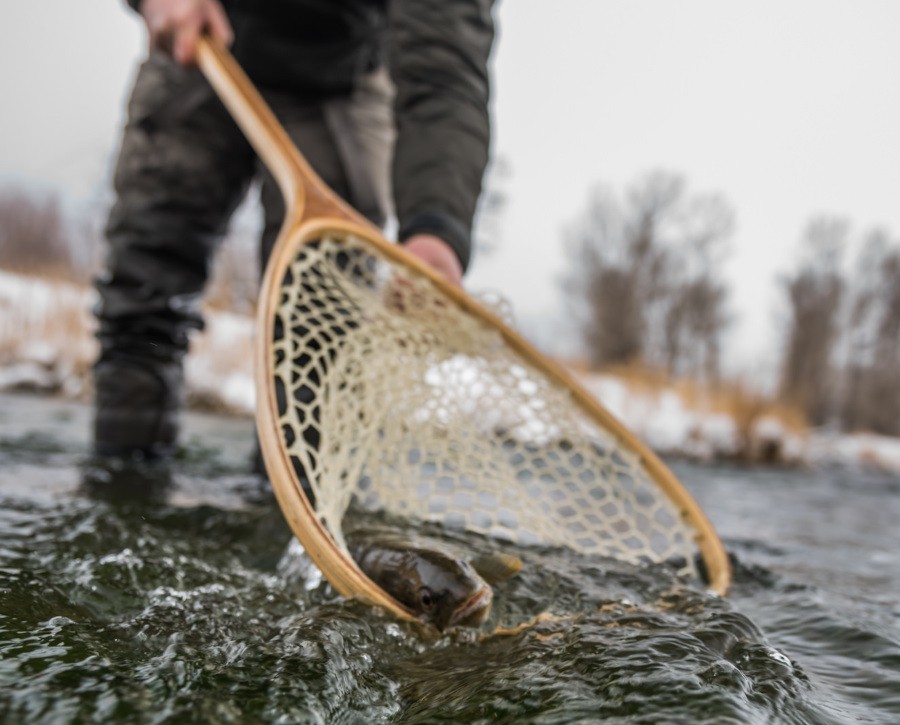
x: 438, y: 586
x: 445, y: 591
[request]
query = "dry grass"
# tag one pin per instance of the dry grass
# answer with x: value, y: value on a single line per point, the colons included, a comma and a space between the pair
x: 48, y: 324
x: 234, y: 283
x: 220, y: 366
x: 38, y: 238
x: 735, y: 399
x: 37, y: 310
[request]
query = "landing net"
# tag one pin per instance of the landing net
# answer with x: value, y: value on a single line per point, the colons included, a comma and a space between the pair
x: 394, y: 398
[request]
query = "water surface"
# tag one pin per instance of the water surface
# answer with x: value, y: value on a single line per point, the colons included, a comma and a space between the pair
x: 178, y: 595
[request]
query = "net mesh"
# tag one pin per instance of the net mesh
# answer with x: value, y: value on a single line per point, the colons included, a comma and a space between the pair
x: 392, y: 398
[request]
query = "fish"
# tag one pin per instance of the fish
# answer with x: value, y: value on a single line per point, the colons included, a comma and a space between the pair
x: 441, y: 588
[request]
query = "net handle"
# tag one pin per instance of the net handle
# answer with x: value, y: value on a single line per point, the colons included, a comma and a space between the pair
x: 306, y: 196
x: 311, y: 209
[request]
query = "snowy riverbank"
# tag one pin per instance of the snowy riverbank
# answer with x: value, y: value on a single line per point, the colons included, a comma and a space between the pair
x: 47, y: 346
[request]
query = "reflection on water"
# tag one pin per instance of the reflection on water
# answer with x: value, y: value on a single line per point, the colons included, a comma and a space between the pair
x: 178, y: 595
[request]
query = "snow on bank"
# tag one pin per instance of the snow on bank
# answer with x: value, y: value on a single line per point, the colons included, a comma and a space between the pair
x: 666, y: 423
x: 663, y: 421
x: 669, y: 426
x: 866, y: 449
x: 47, y: 345
x: 219, y: 370
x: 46, y: 340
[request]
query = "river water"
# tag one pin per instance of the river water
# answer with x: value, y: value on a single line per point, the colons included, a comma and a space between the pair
x: 179, y: 596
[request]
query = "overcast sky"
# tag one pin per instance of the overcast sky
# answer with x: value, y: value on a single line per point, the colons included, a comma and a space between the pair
x: 787, y: 108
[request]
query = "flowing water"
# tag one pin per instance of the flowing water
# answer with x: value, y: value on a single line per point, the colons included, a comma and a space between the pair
x: 179, y: 596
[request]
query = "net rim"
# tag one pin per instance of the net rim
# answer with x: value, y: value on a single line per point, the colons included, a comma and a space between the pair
x: 340, y: 570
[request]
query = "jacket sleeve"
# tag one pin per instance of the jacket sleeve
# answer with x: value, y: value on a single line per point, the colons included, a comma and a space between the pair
x: 438, y: 55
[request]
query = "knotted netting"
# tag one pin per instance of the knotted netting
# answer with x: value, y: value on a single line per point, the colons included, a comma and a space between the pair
x: 381, y: 387
x: 392, y: 397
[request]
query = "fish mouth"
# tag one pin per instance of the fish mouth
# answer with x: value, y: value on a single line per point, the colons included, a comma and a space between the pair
x: 475, y: 609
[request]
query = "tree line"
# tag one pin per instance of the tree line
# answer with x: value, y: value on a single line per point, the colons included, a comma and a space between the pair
x: 645, y: 282
x: 645, y: 278
x: 646, y: 285
x: 842, y: 354
x: 40, y: 237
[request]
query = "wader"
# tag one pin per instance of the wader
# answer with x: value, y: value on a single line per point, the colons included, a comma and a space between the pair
x: 183, y: 169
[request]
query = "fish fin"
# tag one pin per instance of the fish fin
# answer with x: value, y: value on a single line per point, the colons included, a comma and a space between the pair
x: 494, y: 568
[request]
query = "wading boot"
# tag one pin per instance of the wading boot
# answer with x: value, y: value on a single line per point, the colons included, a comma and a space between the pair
x: 136, y: 409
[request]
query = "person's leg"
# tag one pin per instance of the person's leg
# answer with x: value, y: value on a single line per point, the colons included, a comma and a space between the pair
x: 182, y: 170
x: 371, y: 113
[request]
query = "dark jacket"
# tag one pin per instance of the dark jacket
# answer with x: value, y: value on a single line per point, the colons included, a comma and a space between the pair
x: 437, y: 52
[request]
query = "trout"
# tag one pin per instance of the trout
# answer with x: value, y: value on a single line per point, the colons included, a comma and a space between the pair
x: 442, y: 589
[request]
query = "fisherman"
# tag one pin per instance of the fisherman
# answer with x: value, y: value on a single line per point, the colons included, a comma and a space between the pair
x: 388, y: 101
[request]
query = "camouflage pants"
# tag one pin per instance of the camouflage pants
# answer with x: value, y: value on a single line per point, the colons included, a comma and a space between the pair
x: 183, y: 169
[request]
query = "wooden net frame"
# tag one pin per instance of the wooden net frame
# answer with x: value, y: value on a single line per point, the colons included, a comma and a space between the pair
x: 380, y: 384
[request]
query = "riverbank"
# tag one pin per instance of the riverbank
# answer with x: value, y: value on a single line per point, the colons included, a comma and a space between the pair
x: 47, y: 347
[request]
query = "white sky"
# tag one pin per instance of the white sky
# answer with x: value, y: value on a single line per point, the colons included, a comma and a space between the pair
x: 787, y: 108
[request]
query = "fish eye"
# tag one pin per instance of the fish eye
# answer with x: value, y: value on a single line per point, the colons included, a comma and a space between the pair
x: 425, y: 598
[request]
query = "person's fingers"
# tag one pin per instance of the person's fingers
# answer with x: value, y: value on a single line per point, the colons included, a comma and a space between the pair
x: 186, y: 36
x: 175, y: 27
x: 438, y: 255
x: 218, y: 25
x: 162, y: 25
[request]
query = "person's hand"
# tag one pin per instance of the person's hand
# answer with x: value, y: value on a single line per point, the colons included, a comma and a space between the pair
x: 176, y: 25
x: 437, y: 254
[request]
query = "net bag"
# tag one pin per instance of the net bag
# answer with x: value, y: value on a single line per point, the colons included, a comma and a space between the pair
x: 384, y: 388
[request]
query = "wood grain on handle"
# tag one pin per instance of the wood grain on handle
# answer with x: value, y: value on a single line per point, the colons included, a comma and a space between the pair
x: 306, y: 196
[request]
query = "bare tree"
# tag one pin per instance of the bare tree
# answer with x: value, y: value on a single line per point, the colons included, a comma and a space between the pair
x: 644, y: 276
x: 33, y: 234
x: 617, y: 270
x: 696, y: 315
x: 871, y: 398
x: 694, y: 324
x: 814, y: 294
